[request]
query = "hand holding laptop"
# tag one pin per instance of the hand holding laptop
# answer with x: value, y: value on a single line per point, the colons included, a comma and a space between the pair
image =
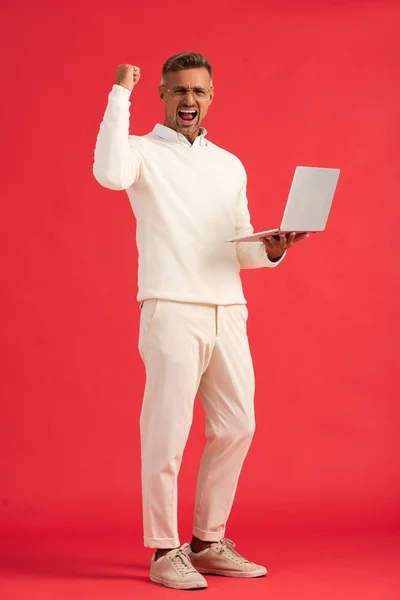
x: 276, y: 245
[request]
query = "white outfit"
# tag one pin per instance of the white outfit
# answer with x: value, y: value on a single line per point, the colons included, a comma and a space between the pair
x: 187, y: 200
x: 188, y: 348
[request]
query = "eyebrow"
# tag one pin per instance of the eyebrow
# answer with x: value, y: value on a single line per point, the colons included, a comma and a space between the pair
x: 187, y: 87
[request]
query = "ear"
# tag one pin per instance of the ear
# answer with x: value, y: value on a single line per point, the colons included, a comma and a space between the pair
x: 161, y: 92
x: 211, y: 96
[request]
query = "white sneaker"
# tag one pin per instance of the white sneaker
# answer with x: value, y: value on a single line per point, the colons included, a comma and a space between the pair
x: 174, y: 570
x: 221, y: 559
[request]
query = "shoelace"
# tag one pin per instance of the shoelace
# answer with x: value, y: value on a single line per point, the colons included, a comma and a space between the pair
x: 227, y: 548
x: 181, y: 561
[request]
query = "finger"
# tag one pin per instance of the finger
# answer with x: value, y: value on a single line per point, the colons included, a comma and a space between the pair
x: 301, y: 236
x: 275, y: 243
x: 283, y: 241
x: 291, y: 238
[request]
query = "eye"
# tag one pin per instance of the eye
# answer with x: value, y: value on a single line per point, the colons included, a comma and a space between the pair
x: 179, y: 91
x: 200, y: 91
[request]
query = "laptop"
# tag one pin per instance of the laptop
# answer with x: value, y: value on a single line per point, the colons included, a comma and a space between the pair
x: 308, y: 205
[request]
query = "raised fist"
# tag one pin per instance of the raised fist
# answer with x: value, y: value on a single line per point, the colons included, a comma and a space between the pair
x: 127, y: 76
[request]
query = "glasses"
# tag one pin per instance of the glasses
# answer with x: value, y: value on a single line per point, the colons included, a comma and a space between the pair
x: 199, y: 93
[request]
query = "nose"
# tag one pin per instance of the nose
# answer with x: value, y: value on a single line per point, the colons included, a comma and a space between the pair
x: 190, y: 96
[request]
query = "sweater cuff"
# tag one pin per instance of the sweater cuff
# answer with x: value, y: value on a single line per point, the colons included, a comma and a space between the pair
x: 118, y: 91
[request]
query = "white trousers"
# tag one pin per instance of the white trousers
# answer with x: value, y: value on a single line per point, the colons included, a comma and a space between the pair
x: 190, y: 348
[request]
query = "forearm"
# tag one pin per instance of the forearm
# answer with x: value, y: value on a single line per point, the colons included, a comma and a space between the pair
x: 116, y: 164
x: 252, y: 255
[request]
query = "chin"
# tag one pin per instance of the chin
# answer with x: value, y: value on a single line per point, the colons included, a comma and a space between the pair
x: 187, y: 130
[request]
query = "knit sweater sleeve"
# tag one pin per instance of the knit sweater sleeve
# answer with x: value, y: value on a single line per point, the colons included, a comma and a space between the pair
x: 116, y: 162
x: 251, y: 255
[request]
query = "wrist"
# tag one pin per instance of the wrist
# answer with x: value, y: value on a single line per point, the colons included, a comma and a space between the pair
x: 125, y: 87
x: 274, y: 258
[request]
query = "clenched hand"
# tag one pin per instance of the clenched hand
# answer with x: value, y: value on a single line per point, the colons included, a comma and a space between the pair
x: 127, y: 76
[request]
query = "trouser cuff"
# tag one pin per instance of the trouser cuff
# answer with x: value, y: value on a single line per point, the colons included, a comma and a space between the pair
x: 161, y: 543
x: 208, y: 536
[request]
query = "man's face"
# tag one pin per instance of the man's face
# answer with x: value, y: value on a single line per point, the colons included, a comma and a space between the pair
x: 187, y: 96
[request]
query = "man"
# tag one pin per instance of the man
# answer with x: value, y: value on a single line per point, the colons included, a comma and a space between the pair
x: 188, y: 196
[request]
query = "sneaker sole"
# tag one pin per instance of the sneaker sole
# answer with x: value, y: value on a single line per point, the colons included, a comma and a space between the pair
x: 242, y: 574
x: 179, y: 586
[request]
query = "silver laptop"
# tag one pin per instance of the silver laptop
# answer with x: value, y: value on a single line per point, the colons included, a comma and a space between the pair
x: 307, y: 208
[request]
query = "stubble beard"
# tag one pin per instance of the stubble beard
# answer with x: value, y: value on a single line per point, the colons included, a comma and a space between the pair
x: 192, y: 129
x: 187, y: 131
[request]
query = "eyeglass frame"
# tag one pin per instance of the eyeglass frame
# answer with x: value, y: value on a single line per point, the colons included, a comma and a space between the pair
x: 190, y: 89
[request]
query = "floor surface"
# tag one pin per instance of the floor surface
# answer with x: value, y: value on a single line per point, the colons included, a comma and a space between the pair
x: 347, y: 567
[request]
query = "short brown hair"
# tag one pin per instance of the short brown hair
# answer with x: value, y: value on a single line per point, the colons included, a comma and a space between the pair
x: 186, y: 60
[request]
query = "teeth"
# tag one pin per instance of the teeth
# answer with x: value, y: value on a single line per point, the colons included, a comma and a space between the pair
x: 188, y: 111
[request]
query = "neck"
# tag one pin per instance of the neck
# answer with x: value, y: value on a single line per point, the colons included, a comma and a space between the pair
x: 190, y: 137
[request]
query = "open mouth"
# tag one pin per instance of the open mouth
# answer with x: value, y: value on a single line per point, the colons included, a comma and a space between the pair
x: 186, y: 116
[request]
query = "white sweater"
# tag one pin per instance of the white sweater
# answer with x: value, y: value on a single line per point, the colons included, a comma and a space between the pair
x: 187, y: 200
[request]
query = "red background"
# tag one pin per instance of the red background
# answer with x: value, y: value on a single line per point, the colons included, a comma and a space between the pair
x: 310, y: 83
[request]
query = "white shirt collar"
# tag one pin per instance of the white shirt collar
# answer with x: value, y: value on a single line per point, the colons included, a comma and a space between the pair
x: 173, y: 136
